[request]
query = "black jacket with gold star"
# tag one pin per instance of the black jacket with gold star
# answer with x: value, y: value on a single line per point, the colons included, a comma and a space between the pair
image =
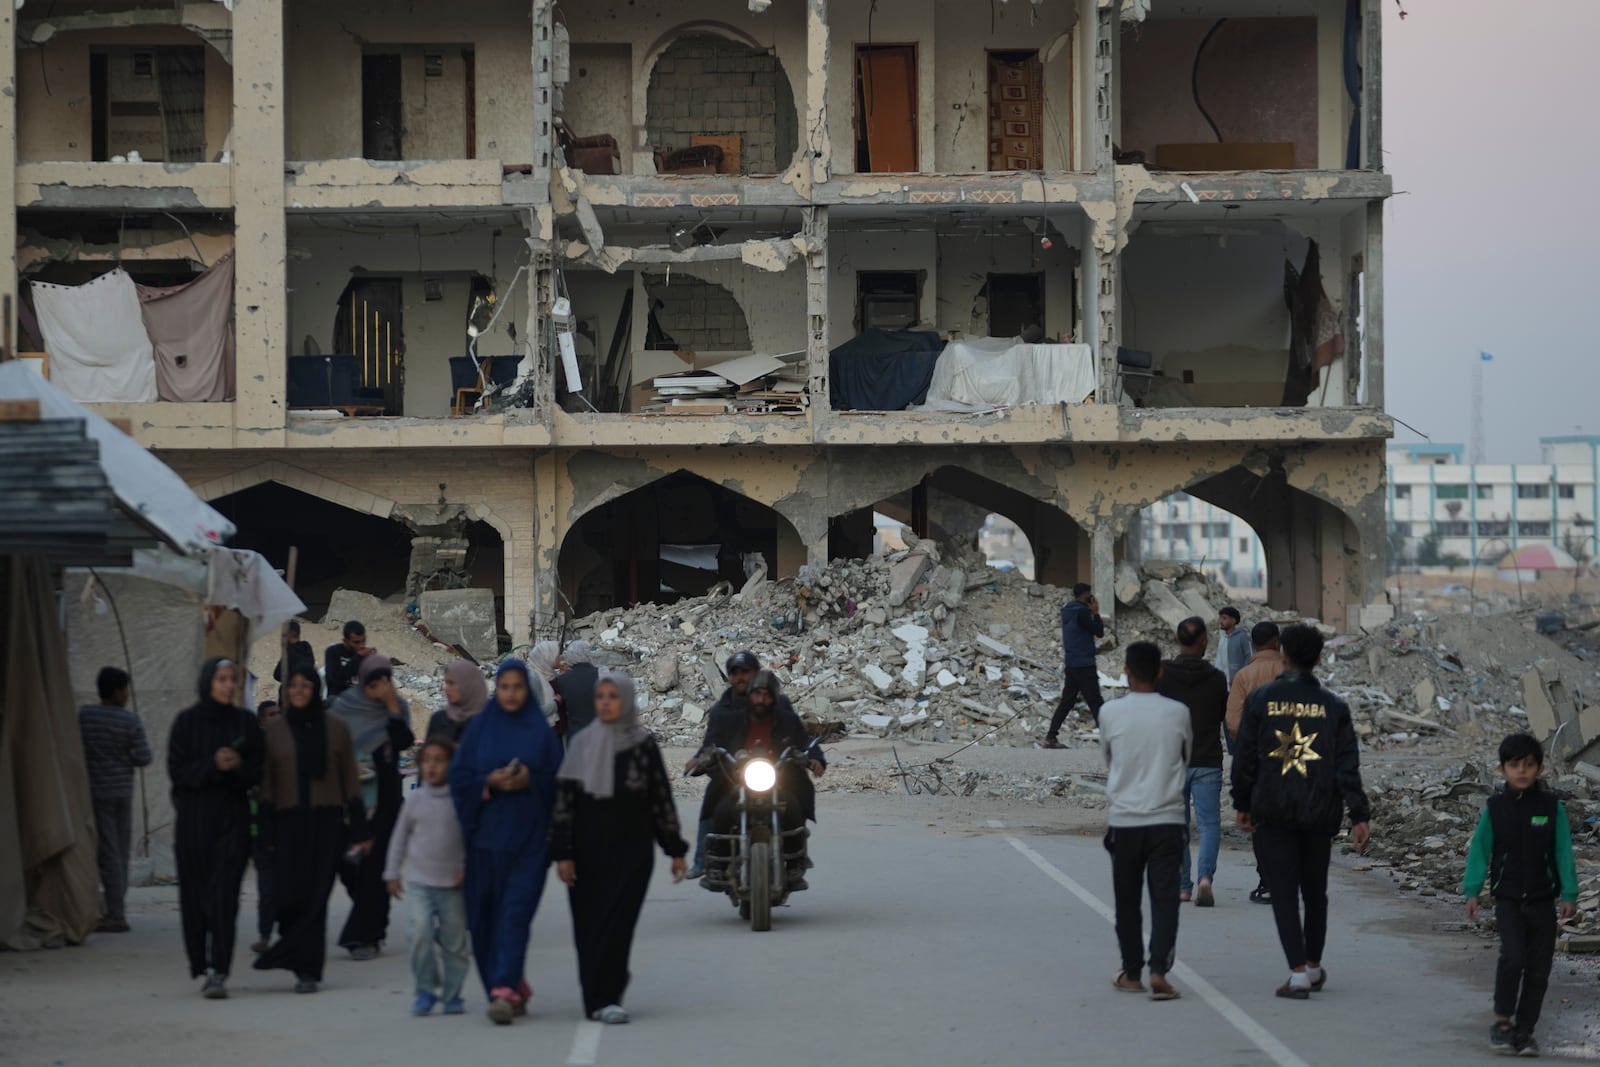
x: 1297, y: 765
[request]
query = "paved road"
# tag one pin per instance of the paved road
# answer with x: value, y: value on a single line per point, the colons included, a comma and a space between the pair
x: 929, y: 938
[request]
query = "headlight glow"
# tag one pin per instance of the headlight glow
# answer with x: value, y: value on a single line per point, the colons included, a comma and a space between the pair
x: 760, y: 776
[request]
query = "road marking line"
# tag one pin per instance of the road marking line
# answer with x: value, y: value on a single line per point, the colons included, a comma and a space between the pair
x: 585, y: 1045
x: 1259, y: 1036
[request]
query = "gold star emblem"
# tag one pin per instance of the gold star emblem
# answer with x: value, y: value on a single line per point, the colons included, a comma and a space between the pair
x: 1295, y: 750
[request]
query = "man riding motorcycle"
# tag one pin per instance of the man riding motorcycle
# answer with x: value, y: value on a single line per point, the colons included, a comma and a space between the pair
x: 729, y: 708
x: 767, y: 724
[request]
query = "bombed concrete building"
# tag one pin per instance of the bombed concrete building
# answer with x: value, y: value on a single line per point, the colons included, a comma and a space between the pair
x: 601, y: 303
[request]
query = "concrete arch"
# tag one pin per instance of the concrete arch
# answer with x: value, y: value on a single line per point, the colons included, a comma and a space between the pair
x: 615, y: 550
x: 860, y: 477
x: 1060, y: 543
x: 335, y: 492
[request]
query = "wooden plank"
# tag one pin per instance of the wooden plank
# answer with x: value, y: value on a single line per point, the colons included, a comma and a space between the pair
x: 19, y: 411
x: 732, y: 146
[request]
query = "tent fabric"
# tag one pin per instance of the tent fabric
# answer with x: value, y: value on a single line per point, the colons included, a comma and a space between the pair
x: 42, y: 774
x: 95, y: 334
x: 1539, y: 557
x: 242, y: 580
x: 146, y: 486
x: 882, y: 370
x: 191, y: 328
x: 1006, y: 372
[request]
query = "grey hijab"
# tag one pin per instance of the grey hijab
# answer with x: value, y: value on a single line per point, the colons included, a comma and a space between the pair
x: 592, y: 755
x: 577, y: 652
x: 368, y: 720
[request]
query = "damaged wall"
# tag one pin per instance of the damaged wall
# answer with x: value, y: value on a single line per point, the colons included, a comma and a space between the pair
x: 599, y: 97
x: 55, y: 112
x: 708, y: 85
x: 322, y: 262
x: 877, y: 247
x: 966, y: 262
x: 323, y: 79
x: 647, y: 30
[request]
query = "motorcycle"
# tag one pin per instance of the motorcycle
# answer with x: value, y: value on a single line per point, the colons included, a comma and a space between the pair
x: 752, y: 866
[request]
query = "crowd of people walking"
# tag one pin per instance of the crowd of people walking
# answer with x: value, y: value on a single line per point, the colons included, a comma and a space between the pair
x: 552, y: 765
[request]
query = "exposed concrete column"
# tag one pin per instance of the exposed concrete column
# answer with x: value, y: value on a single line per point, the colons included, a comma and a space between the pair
x: 261, y: 312
x: 544, y: 615
x: 816, y: 141
x: 816, y: 232
x: 1372, y: 305
x: 1372, y: 83
x: 1103, y: 567
x: 8, y: 160
x: 543, y: 83
x: 1107, y: 115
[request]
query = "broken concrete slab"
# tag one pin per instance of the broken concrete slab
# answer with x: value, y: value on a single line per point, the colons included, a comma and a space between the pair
x: 1425, y: 694
x: 881, y: 679
x: 693, y: 713
x: 1163, y: 569
x: 1198, y: 605
x: 999, y: 648
x: 664, y: 673
x: 1128, y: 586
x: 464, y: 618
x: 1542, y: 718
x: 1164, y: 604
x: 904, y: 577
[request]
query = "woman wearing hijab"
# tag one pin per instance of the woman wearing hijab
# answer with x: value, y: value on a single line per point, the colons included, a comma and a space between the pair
x: 379, y: 721
x: 613, y: 802
x: 575, y: 686
x: 311, y: 808
x: 214, y: 760
x: 465, y: 694
x: 503, y: 780
x: 543, y: 659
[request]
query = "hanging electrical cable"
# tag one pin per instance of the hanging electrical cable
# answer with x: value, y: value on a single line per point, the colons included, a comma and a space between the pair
x: 1194, y: 77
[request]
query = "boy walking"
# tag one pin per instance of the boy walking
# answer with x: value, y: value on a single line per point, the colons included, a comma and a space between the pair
x: 1146, y: 739
x: 1523, y: 847
x: 113, y: 745
x: 426, y: 860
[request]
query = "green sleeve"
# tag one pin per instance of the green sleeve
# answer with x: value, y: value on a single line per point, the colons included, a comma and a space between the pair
x: 1478, y: 854
x: 1566, y: 867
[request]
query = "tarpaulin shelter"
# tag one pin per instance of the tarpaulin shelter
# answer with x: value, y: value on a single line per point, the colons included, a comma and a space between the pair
x: 82, y: 494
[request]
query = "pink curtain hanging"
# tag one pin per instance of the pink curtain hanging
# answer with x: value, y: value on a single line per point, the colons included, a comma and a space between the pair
x: 191, y: 326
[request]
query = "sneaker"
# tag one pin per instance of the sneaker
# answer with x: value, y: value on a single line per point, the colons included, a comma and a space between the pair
x: 423, y: 1004
x: 1527, y: 1045
x: 1502, y: 1038
x: 611, y: 1015
x: 305, y: 985
x: 697, y: 872
x: 455, y: 1007
x: 216, y: 987
x: 1203, y: 897
x: 501, y: 1011
x: 112, y: 926
x: 1051, y: 742
x: 363, y: 953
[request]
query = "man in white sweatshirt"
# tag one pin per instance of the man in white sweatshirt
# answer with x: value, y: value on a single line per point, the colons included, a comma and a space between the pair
x: 1146, y: 739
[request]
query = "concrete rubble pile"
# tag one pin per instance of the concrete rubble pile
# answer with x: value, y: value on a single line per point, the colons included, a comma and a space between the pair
x: 927, y: 643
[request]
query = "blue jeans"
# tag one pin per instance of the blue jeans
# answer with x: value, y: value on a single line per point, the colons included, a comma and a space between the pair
x: 1202, y: 795
x: 439, y: 953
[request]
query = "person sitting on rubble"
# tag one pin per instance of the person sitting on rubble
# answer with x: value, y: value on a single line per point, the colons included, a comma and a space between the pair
x: 768, y: 726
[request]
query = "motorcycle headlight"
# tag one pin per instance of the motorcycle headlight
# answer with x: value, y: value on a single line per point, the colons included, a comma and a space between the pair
x: 760, y: 776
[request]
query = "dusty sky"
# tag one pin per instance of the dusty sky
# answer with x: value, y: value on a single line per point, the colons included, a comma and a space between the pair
x: 1493, y: 238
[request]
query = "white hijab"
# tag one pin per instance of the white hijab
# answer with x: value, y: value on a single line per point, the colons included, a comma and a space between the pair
x: 592, y: 752
x: 542, y: 660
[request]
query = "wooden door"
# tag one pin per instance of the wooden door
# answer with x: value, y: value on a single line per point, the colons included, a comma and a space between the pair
x: 886, y: 108
x: 1016, y: 111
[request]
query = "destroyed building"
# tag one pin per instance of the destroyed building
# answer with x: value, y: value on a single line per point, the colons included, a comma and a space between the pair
x: 592, y: 304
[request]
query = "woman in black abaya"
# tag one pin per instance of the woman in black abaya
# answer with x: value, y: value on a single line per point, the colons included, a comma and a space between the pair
x: 311, y: 810
x: 613, y: 804
x: 214, y: 760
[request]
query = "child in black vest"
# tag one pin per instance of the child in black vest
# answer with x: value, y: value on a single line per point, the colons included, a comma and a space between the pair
x: 1523, y: 847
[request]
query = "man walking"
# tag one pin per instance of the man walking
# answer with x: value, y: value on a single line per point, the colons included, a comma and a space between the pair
x: 1202, y: 689
x: 1080, y: 625
x: 1295, y: 771
x: 1233, y: 647
x: 113, y: 745
x: 1264, y: 667
x: 1146, y: 740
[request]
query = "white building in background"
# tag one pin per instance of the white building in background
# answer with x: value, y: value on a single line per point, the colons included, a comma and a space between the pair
x: 1481, y: 511
x: 1212, y: 540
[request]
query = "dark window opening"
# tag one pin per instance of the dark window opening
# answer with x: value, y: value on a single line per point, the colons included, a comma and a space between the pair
x: 380, y: 106
x: 1016, y: 303
x: 150, y: 102
x: 888, y: 300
